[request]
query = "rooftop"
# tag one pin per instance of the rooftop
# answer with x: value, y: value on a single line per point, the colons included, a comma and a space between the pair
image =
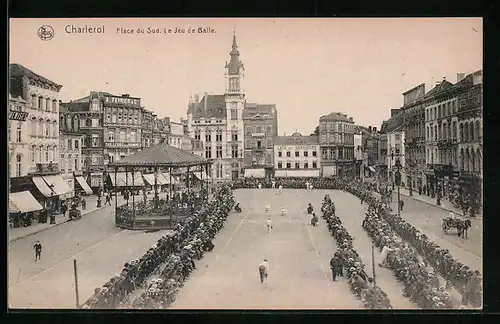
x: 296, y: 139
x: 210, y: 106
x: 336, y: 116
x: 18, y: 70
x: 393, y: 124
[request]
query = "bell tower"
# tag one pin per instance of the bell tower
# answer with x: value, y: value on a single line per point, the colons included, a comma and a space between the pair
x: 235, y: 103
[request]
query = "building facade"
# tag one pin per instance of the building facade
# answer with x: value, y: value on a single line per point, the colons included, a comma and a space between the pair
x: 18, y: 137
x: 382, y: 165
x: 441, y: 137
x: 261, y: 126
x: 359, y: 153
x: 217, y: 121
x: 71, y: 159
x: 336, y: 138
x: 177, y: 135
x: 415, y: 143
x: 297, y: 156
x: 394, y: 129
x: 470, y: 139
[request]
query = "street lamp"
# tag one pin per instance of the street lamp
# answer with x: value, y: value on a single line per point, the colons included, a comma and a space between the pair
x: 397, y: 178
x: 52, y: 216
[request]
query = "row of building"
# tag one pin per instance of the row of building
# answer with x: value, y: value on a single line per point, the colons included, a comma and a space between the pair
x: 435, y: 135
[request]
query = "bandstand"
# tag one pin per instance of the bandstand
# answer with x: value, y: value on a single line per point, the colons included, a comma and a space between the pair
x: 160, y: 167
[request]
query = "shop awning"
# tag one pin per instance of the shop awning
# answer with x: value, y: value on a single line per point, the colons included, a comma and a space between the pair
x: 372, y: 169
x: 57, y: 183
x: 85, y: 186
x: 43, y: 187
x: 124, y: 179
x: 199, y: 175
x: 160, y: 179
x: 23, y: 202
x: 166, y: 175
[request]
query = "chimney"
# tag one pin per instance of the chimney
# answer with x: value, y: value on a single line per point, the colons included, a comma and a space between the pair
x: 370, y: 129
x: 460, y: 76
x: 350, y: 119
x: 126, y: 95
x: 196, y: 98
x: 206, y: 95
x: 374, y: 129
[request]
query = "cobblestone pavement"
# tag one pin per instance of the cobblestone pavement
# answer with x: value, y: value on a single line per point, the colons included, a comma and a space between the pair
x: 99, y: 247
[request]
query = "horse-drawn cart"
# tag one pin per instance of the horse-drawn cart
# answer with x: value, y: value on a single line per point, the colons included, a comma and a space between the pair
x: 460, y: 225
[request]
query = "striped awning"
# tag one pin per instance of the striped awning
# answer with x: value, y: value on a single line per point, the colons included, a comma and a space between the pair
x: 160, y: 179
x: 23, y: 202
x: 124, y: 179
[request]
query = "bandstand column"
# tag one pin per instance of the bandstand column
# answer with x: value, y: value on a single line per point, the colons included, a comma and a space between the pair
x: 201, y: 183
x: 133, y: 195
x: 170, y: 193
x: 116, y: 191
x: 126, y: 183
x: 188, y: 182
x: 156, y: 198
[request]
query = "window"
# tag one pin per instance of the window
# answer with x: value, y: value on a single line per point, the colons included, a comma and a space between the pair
x: 306, y: 153
x: 95, y: 140
x: 280, y: 165
x: 133, y: 136
x: 19, y: 161
x: 32, y: 154
x: 288, y: 165
x: 95, y: 122
x: 33, y: 102
x: 19, y: 134
x: 40, y: 103
x: 315, y: 165
x: 208, y: 152
x: 197, y: 135
x: 234, y: 151
x: 397, y: 136
x: 269, y: 158
x: 280, y: 154
x: 218, y: 136
x: 269, y: 143
x: 219, y: 151
x: 248, y: 130
x: 234, y: 114
x: 315, y: 153
x: 258, y: 129
x: 306, y: 165
x: 297, y: 153
x: 32, y: 127
x: 269, y: 130
x: 70, y: 144
x: 208, y: 137
x: 453, y: 107
x: 46, y: 154
x: 297, y: 165
x: 111, y: 135
x: 123, y: 136
x: 47, y: 104
x: 288, y: 154
x: 398, y: 147
x: 234, y: 137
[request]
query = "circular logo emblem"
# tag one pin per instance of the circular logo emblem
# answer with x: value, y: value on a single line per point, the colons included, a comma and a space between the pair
x: 46, y: 32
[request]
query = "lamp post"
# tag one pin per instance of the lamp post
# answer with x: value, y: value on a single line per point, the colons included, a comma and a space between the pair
x: 52, y: 205
x: 397, y: 177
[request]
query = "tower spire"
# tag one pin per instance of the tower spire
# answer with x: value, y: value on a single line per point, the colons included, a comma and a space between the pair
x: 234, y: 64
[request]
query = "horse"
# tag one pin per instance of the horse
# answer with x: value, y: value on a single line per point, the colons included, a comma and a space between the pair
x: 462, y: 228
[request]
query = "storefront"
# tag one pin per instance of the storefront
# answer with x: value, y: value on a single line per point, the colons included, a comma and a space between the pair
x: 53, y: 191
x: 96, y: 177
x: 23, y: 209
x: 81, y: 186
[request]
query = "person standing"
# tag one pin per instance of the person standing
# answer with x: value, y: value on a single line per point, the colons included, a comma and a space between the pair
x: 280, y: 189
x: 269, y: 225
x: 64, y: 209
x: 273, y: 184
x: 401, y: 205
x: 38, y: 251
x: 334, y: 265
x: 263, y: 270
x: 259, y: 185
x: 84, y: 203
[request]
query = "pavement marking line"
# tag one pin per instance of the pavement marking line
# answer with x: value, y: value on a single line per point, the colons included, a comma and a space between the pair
x: 317, y: 254
x: 70, y: 257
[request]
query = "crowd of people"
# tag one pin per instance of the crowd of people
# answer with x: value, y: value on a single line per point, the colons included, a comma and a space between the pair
x: 347, y: 258
x: 174, y: 253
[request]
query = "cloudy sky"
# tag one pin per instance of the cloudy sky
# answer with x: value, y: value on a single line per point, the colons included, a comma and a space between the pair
x: 307, y: 67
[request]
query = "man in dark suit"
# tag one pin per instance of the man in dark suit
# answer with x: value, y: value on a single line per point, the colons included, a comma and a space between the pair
x: 38, y: 250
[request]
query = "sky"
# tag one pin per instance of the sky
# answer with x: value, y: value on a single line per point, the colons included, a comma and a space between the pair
x: 307, y: 67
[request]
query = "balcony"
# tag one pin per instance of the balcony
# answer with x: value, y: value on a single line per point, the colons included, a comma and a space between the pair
x: 45, y: 168
x: 122, y: 144
x: 258, y: 134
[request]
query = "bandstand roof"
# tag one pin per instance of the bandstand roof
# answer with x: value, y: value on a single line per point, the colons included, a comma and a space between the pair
x: 161, y: 155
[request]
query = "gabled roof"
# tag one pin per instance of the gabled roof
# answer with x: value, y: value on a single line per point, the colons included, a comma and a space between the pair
x: 296, y: 139
x: 393, y: 124
x: 74, y: 106
x: 161, y: 155
x: 18, y: 70
x: 215, y: 107
x: 337, y: 116
x: 252, y: 109
x: 440, y: 87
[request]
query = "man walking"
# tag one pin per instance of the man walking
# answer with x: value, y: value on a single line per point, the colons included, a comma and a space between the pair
x: 38, y: 251
x: 280, y: 189
x: 269, y: 225
x: 273, y: 184
x: 401, y: 205
x: 263, y: 269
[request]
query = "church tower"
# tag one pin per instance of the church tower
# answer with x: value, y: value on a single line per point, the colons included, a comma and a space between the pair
x: 235, y: 102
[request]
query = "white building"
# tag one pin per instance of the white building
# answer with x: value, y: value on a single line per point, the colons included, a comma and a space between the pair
x: 176, y: 134
x: 19, y: 149
x: 42, y: 134
x: 358, y: 145
x: 297, y: 156
x: 394, y: 129
x: 71, y: 162
x: 217, y: 121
